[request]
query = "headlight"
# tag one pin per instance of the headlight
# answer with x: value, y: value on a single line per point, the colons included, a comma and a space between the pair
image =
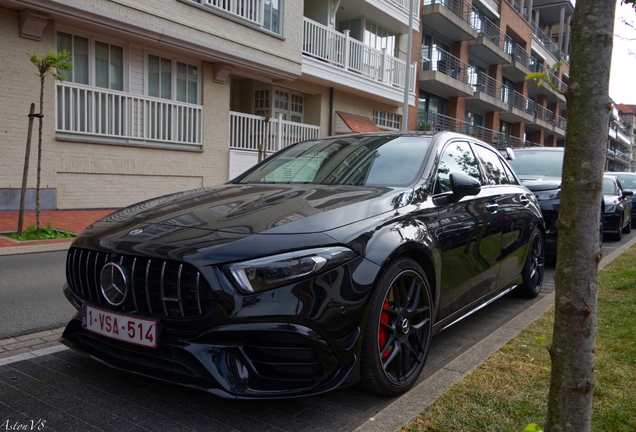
x: 553, y: 194
x: 610, y: 209
x: 270, y: 272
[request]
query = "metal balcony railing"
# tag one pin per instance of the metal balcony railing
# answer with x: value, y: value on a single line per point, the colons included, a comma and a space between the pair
x: 488, y: 29
x: 344, y: 52
x: 491, y: 87
x: 521, y: 102
x: 458, y: 7
x: 518, y: 54
x: 517, y: 7
x: 431, y: 121
x: 546, y: 41
x: 98, y: 112
x: 448, y: 64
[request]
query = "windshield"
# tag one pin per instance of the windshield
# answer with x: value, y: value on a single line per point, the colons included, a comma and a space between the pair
x: 370, y: 160
x: 627, y: 180
x: 538, y: 163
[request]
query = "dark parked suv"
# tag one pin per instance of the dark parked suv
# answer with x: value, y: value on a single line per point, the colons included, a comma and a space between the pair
x: 540, y: 168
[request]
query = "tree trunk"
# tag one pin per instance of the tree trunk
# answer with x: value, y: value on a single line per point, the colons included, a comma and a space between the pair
x: 25, y: 172
x: 576, y: 277
x: 37, y: 187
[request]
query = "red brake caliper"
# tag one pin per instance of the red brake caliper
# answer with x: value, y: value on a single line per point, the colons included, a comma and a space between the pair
x: 383, y: 334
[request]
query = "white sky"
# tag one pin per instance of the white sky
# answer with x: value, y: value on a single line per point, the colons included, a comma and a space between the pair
x: 622, y: 87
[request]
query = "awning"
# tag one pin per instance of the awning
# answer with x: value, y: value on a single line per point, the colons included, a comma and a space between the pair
x: 349, y: 123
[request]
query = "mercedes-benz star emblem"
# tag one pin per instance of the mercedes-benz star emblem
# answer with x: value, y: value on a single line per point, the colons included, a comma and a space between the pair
x: 114, y: 284
x: 404, y: 325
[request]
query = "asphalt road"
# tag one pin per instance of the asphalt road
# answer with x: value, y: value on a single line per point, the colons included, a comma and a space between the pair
x: 31, y: 298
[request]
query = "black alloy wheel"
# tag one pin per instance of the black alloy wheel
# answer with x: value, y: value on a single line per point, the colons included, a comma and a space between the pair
x: 398, y: 330
x: 619, y: 231
x: 534, y: 267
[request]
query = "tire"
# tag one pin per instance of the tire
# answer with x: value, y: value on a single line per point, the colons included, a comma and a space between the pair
x: 628, y: 227
x: 619, y: 232
x: 398, y: 328
x: 534, y: 267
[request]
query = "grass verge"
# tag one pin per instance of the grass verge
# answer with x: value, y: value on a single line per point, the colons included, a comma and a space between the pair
x: 46, y: 233
x: 510, y: 389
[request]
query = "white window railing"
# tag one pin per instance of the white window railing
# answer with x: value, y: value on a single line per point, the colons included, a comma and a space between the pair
x: 248, y: 132
x: 97, y: 112
x: 250, y: 10
x: 405, y: 4
x: 341, y: 51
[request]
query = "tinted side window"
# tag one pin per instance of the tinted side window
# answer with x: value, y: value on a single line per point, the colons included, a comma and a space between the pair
x: 457, y: 157
x: 494, y: 167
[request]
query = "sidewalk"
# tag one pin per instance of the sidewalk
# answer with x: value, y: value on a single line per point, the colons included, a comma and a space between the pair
x: 73, y: 221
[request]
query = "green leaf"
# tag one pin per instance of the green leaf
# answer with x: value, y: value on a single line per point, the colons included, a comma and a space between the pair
x: 540, y: 340
x: 533, y: 427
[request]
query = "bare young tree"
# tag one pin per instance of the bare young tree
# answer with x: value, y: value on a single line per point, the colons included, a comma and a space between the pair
x: 52, y: 63
x: 576, y: 277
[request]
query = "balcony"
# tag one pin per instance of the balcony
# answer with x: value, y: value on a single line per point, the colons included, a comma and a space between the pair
x: 520, y: 109
x: 248, y: 10
x: 552, y: 94
x: 451, y: 18
x: 523, y: 12
x: 519, y: 66
x: 560, y: 125
x: 333, y: 57
x: 250, y: 133
x: 491, y: 42
x: 431, y: 121
x: 544, y: 118
x: 101, y: 115
x: 445, y: 75
x: 546, y: 42
x: 490, y: 94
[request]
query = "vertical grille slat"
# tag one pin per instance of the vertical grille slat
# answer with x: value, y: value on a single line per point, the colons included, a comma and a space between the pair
x: 162, y: 288
x: 79, y: 274
x: 132, y: 283
x: 147, y: 287
x: 159, y: 287
x: 179, y: 289
x: 88, y: 283
x: 198, y: 288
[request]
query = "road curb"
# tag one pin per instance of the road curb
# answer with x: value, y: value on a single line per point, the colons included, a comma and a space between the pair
x: 18, y: 250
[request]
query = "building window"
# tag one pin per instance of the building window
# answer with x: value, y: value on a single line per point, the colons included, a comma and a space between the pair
x: 289, y: 105
x: 96, y: 63
x: 174, y: 80
x: 387, y: 120
x: 374, y: 35
x: 272, y: 13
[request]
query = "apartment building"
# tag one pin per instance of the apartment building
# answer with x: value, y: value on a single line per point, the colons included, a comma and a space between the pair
x: 475, y: 57
x: 168, y: 95
x: 620, y: 143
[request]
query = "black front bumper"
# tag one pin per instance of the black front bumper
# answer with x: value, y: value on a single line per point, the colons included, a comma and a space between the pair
x: 242, y: 361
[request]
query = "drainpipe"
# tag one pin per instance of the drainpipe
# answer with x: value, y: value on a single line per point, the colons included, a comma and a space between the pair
x: 330, y: 111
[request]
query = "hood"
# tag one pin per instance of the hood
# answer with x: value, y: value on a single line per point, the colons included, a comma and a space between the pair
x: 213, y: 216
x: 540, y: 183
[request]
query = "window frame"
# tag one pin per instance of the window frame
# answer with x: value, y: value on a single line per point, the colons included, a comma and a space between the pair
x: 174, y: 60
x: 91, y: 55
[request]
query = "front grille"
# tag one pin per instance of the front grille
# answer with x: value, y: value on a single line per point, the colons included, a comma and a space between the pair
x: 550, y: 217
x: 159, y: 288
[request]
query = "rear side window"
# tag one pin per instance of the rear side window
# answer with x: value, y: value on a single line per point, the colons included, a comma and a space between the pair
x: 495, y: 168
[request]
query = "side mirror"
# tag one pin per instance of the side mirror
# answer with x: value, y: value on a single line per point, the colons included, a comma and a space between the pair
x: 507, y: 153
x: 464, y: 185
x: 627, y: 193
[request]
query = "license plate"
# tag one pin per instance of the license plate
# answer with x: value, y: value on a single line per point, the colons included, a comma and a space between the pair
x: 138, y: 331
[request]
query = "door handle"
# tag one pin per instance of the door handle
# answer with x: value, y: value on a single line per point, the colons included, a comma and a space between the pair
x: 492, y: 207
